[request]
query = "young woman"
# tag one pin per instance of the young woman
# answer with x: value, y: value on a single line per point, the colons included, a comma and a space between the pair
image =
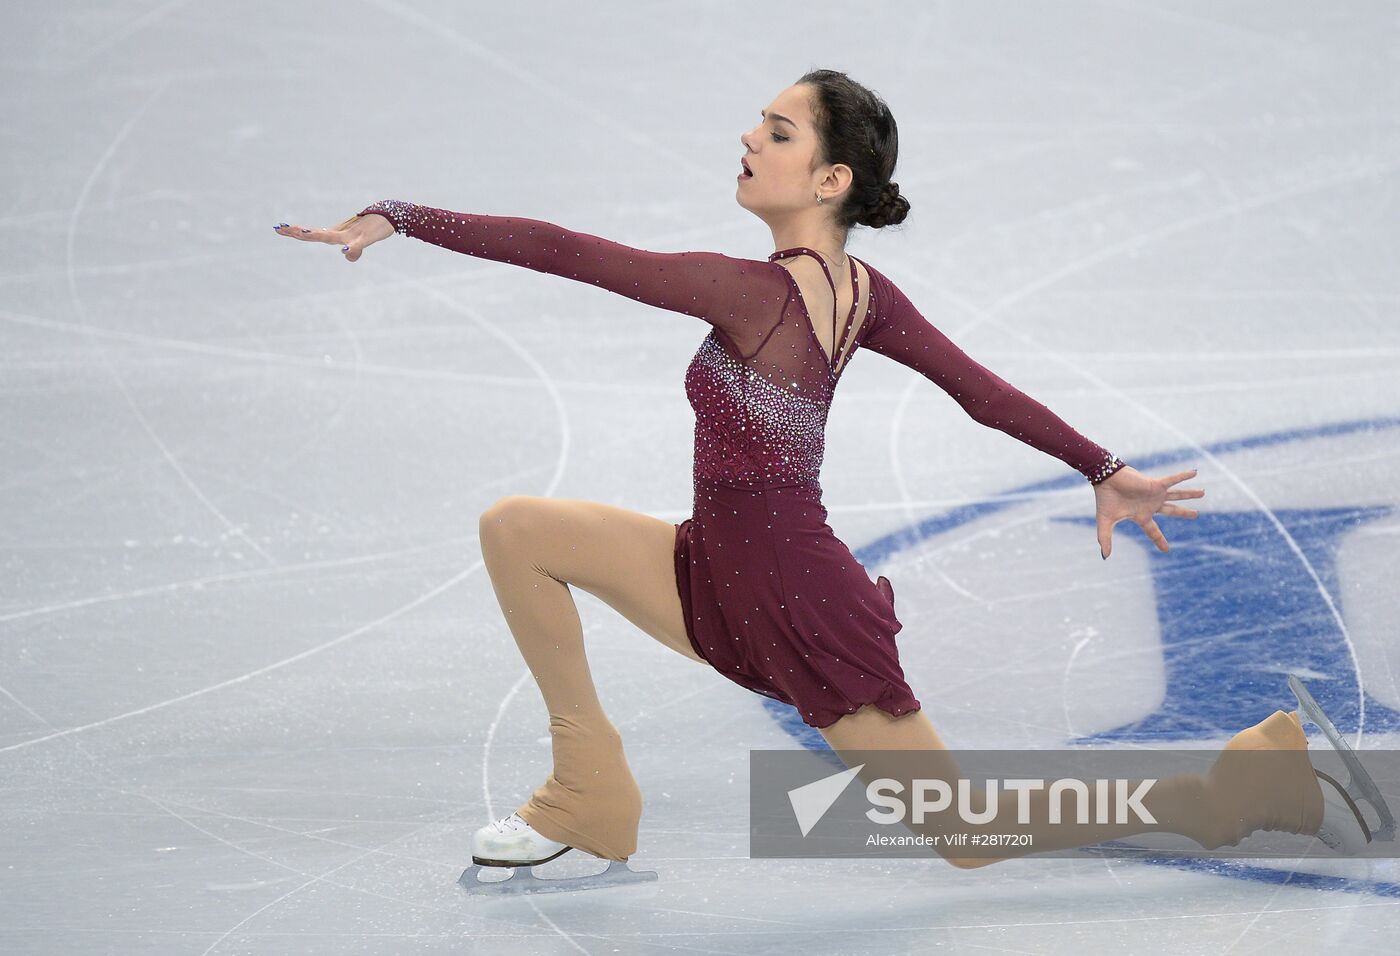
x: 755, y: 584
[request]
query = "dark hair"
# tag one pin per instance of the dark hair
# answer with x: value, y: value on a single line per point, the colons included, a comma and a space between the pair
x: 856, y: 128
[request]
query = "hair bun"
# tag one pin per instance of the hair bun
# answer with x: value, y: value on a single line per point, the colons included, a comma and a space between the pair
x: 889, y: 208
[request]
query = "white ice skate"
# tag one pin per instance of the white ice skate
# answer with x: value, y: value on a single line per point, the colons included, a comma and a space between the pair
x: 512, y: 842
x: 1343, y: 827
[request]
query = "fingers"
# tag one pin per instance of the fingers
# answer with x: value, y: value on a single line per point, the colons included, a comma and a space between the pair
x: 1154, y: 533
x: 1179, y: 512
x: 350, y: 248
x: 1180, y: 476
x: 1148, y: 525
x: 1185, y: 493
x: 309, y: 233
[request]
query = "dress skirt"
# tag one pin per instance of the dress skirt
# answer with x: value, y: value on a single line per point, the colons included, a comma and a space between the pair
x: 775, y: 602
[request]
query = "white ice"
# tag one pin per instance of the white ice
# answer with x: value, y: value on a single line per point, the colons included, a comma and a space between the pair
x: 255, y: 689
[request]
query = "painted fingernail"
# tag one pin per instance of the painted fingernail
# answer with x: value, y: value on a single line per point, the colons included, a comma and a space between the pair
x: 281, y: 225
x: 344, y: 248
x: 1102, y: 555
x: 304, y: 229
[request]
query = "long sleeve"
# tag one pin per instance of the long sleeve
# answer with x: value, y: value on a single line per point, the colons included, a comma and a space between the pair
x: 901, y: 333
x: 740, y: 297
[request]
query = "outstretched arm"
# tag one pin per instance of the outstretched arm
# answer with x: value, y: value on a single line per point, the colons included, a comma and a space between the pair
x: 1121, y: 492
x: 900, y: 332
x: 743, y: 298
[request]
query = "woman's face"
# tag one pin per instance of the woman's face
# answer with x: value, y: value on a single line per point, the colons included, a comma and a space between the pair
x: 779, y: 151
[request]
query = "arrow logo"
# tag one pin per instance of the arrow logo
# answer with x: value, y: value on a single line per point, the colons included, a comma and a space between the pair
x: 811, y: 801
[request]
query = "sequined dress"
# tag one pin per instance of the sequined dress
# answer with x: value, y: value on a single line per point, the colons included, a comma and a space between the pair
x: 772, y: 599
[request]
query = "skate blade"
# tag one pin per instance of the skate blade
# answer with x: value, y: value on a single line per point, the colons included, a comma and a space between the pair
x: 518, y: 883
x: 1360, y: 786
x: 487, y: 861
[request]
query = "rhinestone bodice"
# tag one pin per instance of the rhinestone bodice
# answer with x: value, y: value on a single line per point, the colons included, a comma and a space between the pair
x: 748, y: 429
x: 764, y: 421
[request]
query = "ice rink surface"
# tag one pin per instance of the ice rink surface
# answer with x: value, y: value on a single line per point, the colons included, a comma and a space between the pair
x: 255, y: 689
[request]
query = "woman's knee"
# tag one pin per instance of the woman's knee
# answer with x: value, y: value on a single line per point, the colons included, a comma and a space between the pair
x: 507, y: 520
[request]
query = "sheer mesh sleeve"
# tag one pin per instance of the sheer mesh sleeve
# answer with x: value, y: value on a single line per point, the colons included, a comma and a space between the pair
x: 901, y: 333
x: 741, y: 298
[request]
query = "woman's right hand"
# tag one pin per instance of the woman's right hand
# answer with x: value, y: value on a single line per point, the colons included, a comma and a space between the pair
x: 353, y: 235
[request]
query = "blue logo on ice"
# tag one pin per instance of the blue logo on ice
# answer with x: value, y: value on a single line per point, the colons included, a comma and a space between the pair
x: 1241, y: 611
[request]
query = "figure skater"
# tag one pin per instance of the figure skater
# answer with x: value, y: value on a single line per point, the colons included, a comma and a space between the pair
x: 755, y: 584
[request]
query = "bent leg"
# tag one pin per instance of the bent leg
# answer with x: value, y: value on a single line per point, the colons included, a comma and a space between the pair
x: 534, y: 549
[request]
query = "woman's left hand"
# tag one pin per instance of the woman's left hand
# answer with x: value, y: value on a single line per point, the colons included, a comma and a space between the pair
x: 1128, y: 493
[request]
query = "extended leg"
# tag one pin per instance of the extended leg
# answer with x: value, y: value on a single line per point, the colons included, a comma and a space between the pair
x: 1213, y: 809
x: 534, y: 549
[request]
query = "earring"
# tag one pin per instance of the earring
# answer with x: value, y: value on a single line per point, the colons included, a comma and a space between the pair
x: 819, y: 199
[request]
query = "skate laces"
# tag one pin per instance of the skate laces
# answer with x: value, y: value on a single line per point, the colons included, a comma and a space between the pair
x: 508, y: 824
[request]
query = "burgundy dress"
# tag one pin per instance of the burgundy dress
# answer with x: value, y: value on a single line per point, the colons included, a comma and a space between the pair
x: 773, y: 600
